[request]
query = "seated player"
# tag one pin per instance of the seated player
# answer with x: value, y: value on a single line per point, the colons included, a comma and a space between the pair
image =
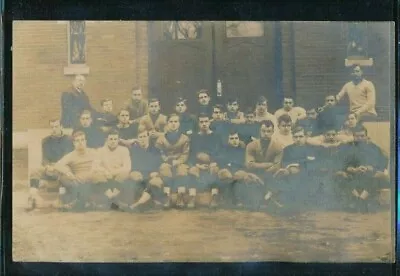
x: 147, y: 184
x: 284, y: 133
x: 262, y: 114
x: 187, y: 121
x: 204, y: 103
x: 127, y: 131
x: 263, y: 158
x: 79, y: 176
x: 309, y: 123
x: 219, y: 125
x: 94, y: 136
x: 250, y: 130
x: 174, y: 147
x: 105, y: 120
x: 203, y: 177
x: 346, y: 134
x: 298, y: 165
x: 233, y: 115
x: 295, y: 112
x: 330, y: 114
x: 363, y: 174
x: 154, y: 122
x: 115, y: 163
x: 54, y: 147
x: 231, y: 163
x: 205, y: 141
x: 136, y: 105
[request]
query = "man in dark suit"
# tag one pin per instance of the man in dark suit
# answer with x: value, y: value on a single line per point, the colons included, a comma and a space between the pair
x: 74, y: 102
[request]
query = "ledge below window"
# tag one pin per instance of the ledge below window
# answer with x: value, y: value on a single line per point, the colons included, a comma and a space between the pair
x: 80, y: 69
x: 360, y: 61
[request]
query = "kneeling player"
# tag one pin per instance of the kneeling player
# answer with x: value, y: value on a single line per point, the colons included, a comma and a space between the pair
x: 54, y: 147
x: 174, y: 147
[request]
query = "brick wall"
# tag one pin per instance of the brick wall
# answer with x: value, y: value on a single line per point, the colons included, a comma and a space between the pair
x: 117, y: 56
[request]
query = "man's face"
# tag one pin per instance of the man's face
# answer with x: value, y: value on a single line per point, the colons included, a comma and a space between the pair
x: 137, y: 95
x: 180, y: 107
x: 108, y: 107
x: 288, y: 104
x: 266, y: 132
x: 233, y: 140
x: 112, y: 141
x: 330, y: 101
x: 360, y: 136
x: 173, y: 123
x: 357, y: 73
x: 86, y: 120
x: 154, y: 108
x: 80, y: 142
x: 351, y: 121
x: 123, y: 117
x: 204, y: 99
x: 262, y: 107
x: 56, y: 128
x: 330, y: 136
x: 79, y: 82
x: 250, y: 118
x: 232, y: 107
x: 312, y: 114
x: 299, y: 138
x: 217, y: 114
x: 143, y: 139
x: 285, y: 127
x: 204, y: 123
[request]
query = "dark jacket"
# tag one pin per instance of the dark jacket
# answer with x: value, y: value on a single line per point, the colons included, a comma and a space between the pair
x: 232, y: 158
x: 72, y: 105
x: 94, y: 136
x: 54, y: 148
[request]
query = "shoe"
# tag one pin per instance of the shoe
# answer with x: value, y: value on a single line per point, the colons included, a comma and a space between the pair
x: 214, y: 202
x: 180, y: 202
x: 192, y: 202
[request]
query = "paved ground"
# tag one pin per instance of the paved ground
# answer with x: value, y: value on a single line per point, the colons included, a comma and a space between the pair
x: 46, y: 235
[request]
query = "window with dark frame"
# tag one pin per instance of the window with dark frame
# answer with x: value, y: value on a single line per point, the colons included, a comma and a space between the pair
x: 77, y: 42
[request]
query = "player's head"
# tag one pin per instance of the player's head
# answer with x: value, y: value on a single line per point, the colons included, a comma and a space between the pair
x: 330, y: 135
x: 249, y: 115
x: 107, y: 105
x: 173, y: 122
x: 352, y: 120
x: 112, y: 139
x: 262, y: 104
x: 180, y: 106
x: 288, y: 103
x: 56, y: 128
x: 356, y: 72
x: 203, y: 161
x: 123, y: 116
x: 218, y: 113
x: 233, y: 138
x: 86, y: 118
x: 79, y: 140
x: 330, y: 100
x: 312, y: 114
x: 143, y: 138
x: 232, y: 105
x: 136, y: 94
x: 79, y: 82
x: 203, y: 97
x: 299, y: 136
x: 266, y: 129
x: 285, y: 124
x: 204, y: 122
x: 154, y: 106
x: 360, y: 134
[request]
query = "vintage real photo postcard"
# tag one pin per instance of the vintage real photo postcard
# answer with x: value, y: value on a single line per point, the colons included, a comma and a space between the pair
x: 203, y: 141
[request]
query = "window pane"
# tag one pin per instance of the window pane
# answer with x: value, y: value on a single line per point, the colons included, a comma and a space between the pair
x: 77, y: 42
x: 357, y: 44
x: 244, y: 28
x: 176, y: 30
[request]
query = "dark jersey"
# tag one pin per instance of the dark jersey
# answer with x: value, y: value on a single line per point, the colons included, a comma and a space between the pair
x: 304, y: 155
x: 187, y: 123
x: 54, y: 148
x: 94, y: 136
x: 309, y: 125
x: 130, y: 132
x: 221, y: 128
x: 72, y: 105
x: 145, y: 160
x: 246, y: 131
x: 206, y: 143
x: 329, y: 118
x: 363, y: 154
x: 232, y: 158
x: 330, y: 158
x: 106, y: 120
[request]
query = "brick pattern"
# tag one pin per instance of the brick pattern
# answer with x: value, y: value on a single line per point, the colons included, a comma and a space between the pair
x: 39, y: 59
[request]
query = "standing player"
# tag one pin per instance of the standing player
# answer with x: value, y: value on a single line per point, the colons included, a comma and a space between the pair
x: 310, y: 123
x: 219, y: 125
x: 204, y: 103
x: 95, y: 137
x: 262, y: 113
x: 295, y: 112
x: 329, y: 115
x: 136, y: 105
x: 233, y: 114
x: 54, y: 147
x: 106, y: 119
x: 187, y: 121
x: 127, y: 131
x: 154, y: 122
x: 174, y: 147
x: 250, y: 130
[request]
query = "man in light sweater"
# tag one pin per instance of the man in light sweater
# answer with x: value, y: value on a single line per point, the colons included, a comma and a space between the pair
x: 295, y: 112
x: 361, y: 93
x: 284, y: 133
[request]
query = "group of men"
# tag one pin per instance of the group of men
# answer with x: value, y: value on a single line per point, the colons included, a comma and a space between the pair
x: 295, y: 159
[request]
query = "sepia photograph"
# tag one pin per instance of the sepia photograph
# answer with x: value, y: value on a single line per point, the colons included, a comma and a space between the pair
x: 203, y: 141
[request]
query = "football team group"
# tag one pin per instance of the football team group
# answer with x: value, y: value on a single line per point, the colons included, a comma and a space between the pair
x: 293, y: 160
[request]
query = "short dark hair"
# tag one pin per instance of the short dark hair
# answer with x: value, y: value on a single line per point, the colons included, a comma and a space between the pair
x: 298, y: 129
x: 203, y: 91
x: 86, y: 111
x: 352, y: 67
x: 232, y: 100
x: 123, y: 109
x: 330, y: 127
x: 267, y: 123
x: 352, y: 113
x: 203, y: 115
x: 284, y: 119
x: 154, y: 100
x: 113, y: 132
x: 77, y: 133
x: 233, y: 131
x: 219, y: 106
x: 54, y: 120
x: 261, y: 99
x: 104, y: 101
x: 249, y: 111
x: 173, y: 115
x: 136, y: 87
x: 360, y: 128
x: 180, y: 100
